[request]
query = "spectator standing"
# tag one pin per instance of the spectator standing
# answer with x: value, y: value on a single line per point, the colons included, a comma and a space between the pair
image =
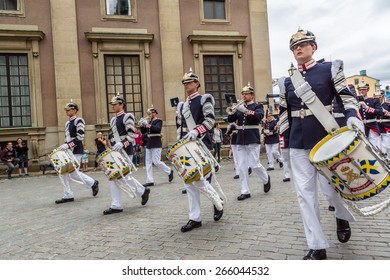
x: 22, y: 153
x: 137, y: 148
x: 100, y: 144
x: 217, y: 140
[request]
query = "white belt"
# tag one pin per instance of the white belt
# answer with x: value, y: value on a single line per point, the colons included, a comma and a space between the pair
x: 338, y: 115
x: 242, y: 127
x: 370, y: 121
x: 154, y: 135
x: 384, y: 120
x: 306, y: 112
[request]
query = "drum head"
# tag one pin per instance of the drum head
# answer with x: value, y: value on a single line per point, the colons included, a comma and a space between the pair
x: 332, y: 145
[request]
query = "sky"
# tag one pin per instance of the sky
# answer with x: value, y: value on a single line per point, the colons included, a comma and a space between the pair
x: 355, y: 31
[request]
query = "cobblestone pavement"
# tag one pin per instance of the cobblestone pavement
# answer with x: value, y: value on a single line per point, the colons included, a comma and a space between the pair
x: 266, y: 226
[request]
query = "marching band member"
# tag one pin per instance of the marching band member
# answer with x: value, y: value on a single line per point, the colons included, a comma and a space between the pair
x: 248, y: 117
x: 384, y: 125
x: 271, y: 141
x: 232, y: 132
x: 74, y: 137
x: 122, y: 126
x: 370, y: 109
x: 300, y: 131
x: 197, y: 116
x: 154, y: 147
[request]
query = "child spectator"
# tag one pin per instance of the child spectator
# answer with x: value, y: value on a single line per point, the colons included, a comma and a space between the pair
x: 84, y: 159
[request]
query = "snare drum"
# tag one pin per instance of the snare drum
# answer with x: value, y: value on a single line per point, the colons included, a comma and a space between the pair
x: 351, y: 164
x: 114, y: 165
x: 190, y: 160
x: 63, y: 162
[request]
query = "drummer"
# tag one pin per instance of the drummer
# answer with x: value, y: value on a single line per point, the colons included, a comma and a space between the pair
x: 300, y: 131
x: 370, y: 109
x: 122, y: 126
x: 74, y: 137
x: 200, y: 118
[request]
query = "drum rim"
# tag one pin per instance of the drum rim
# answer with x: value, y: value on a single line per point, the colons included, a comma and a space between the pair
x: 315, y: 149
x: 103, y: 154
x: 368, y: 194
x: 175, y: 146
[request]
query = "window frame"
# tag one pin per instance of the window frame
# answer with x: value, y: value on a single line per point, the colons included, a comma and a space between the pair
x: 205, y: 20
x: 10, y: 87
x: 106, y: 16
x: 122, y: 86
x: 14, y: 13
x: 221, y: 99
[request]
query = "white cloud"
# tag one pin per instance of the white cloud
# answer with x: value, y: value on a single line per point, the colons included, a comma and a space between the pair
x: 356, y: 32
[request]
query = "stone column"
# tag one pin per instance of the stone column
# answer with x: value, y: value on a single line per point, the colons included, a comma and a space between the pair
x: 66, y: 58
x: 172, y: 60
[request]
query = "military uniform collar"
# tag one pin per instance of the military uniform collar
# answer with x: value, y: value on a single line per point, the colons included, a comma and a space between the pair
x: 120, y: 113
x: 249, y: 103
x: 72, y: 118
x: 192, y: 96
x: 306, y: 66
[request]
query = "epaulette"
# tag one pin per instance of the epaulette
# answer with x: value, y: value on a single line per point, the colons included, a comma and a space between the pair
x: 205, y: 97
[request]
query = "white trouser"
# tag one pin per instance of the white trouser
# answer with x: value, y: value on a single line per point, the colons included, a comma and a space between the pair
x: 153, y: 156
x: 129, y: 183
x: 248, y: 155
x: 272, y: 153
x: 235, y: 158
x: 285, y: 159
x: 193, y: 194
x: 385, y: 143
x: 78, y: 176
x: 306, y: 180
x: 374, y: 138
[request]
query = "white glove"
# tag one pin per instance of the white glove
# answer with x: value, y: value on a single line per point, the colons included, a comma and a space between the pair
x: 192, y: 135
x: 242, y: 108
x: 353, y: 122
x: 118, y: 146
x: 64, y: 147
x: 363, y: 105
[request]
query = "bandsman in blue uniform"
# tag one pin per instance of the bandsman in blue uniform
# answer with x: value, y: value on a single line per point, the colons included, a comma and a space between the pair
x: 197, y: 111
x: 301, y: 131
x: 248, y: 116
x: 384, y: 124
x: 74, y: 137
x: 122, y: 126
x: 370, y: 110
x: 271, y: 142
x: 152, y: 129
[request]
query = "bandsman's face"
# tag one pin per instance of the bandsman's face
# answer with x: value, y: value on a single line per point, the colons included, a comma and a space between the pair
x: 117, y: 107
x: 303, y: 52
x: 70, y: 112
x: 191, y: 87
x: 363, y: 91
x: 248, y: 96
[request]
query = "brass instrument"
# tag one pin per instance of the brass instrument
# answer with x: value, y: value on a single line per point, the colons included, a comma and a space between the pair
x: 232, y: 109
x: 143, y: 121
